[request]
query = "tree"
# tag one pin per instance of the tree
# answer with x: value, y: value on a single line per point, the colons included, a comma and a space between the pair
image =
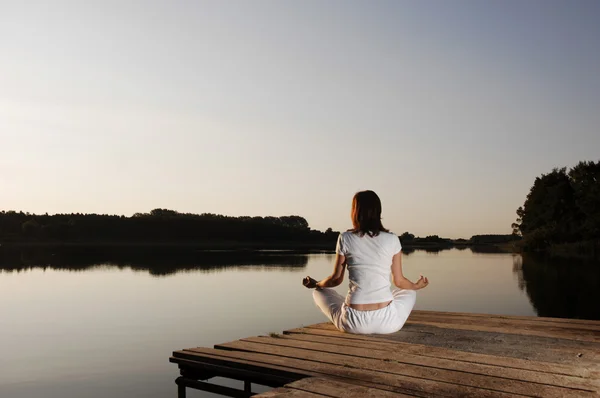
x: 159, y: 225
x: 561, y: 207
x: 407, y: 237
x: 163, y: 213
x: 585, y: 180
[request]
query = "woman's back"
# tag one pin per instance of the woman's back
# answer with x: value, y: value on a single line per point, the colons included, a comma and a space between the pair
x: 368, y: 261
x: 371, y: 255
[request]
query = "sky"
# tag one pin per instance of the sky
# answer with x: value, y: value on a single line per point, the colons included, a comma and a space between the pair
x: 447, y: 109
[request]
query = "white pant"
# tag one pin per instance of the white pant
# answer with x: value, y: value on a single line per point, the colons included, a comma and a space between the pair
x: 389, y: 319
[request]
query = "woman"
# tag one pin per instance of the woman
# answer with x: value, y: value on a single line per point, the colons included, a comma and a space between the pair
x: 368, y: 250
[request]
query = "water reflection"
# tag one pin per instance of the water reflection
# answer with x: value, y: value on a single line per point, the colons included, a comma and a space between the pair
x: 487, y: 249
x: 407, y: 251
x: 437, y: 249
x: 560, y: 288
x: 157, y: 262
x: 166, y: 260
x: 105, y: 332
x: 555, y: 288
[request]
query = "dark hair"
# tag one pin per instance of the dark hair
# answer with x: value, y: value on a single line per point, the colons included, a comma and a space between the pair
x: 366, y: 214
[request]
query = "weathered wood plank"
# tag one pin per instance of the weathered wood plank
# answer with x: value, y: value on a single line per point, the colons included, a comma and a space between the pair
x: 511, y: 317
x: 540, y: 348
x: 458, y: 379
x: 338, y: 389
x: 508, y: 322
x: 285, y: 392
x: 459, y: 324
x: 420, y: 327
x: 548, y: 349
x: 340, y: 339
x: 487, y: 343
x: 347, y: 373
x: 237, y: 368
x: 308, y: 368
x: 551, y: 349
x: 436, y: 363
x: 436, y: 354
x: 507, y: 329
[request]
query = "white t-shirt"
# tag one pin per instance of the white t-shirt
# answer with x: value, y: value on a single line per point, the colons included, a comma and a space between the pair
x: 369, y: 261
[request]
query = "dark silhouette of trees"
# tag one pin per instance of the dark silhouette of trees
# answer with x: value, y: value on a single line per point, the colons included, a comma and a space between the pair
x: 558, y: 288
x: 493, y: 239
x: 407, y: 237
x: 430, y: 243
x: 585, y: 181
x: 562, y: 208
x: 160, y: 225
x: 432, y: 238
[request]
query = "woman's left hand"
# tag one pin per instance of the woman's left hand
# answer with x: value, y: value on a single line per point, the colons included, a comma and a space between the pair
x: 421, y: 283
x: 309, y: 282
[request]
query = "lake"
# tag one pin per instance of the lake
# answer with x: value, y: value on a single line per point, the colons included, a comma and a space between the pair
x: 79, y: 329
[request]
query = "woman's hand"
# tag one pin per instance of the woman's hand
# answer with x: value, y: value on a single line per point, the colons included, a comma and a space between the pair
x: 421, y: 283
x: 309, y: 282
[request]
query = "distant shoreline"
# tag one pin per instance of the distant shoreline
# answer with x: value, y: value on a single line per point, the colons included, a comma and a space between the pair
x: 322, y: 247
x: 164, y: 230
x: 200, y: 246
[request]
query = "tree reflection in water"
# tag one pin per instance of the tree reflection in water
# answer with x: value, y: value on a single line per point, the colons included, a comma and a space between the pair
x: 156, y: 261
x: 560, y: 288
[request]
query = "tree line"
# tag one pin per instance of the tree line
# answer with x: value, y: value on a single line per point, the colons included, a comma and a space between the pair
x: 490, y: 239
x: 562, y: 211
x: 159, y: 225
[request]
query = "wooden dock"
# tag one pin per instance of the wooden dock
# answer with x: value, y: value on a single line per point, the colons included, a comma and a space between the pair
x: 436, y: 354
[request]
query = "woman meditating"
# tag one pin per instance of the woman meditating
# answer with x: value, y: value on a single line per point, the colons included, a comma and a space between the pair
x: 368, y: 250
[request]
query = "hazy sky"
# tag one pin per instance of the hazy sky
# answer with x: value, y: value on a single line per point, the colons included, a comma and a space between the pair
x: 447, y: 109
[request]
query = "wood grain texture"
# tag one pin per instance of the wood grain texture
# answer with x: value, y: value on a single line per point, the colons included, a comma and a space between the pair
x: 436, y: 354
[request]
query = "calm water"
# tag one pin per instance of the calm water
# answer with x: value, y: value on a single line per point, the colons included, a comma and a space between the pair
x: 108, y: 330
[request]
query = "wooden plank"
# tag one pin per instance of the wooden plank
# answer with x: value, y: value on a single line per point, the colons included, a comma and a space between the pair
x: 236, y: 368
x: 281, y: 374
x: 338, y: 389
x: 568, y: 321
x: 560, y: 328
x: 245, y: 360
x: 539, y: 348
x: 462, y: 379
x: 285, y: 392
x: 436, y: 354
x: 552, y: 349
x: 542, y: 331
x: 436, y: 363
x: 501, y: 345
x: 339, y: 339
x: 497, y: 321
x: 421, y: 327
x: 346, y: 373
x: 508, y: 329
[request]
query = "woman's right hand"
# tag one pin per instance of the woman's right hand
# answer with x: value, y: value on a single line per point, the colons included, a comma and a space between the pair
x: 421, y: 283
x: 309, y: 282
